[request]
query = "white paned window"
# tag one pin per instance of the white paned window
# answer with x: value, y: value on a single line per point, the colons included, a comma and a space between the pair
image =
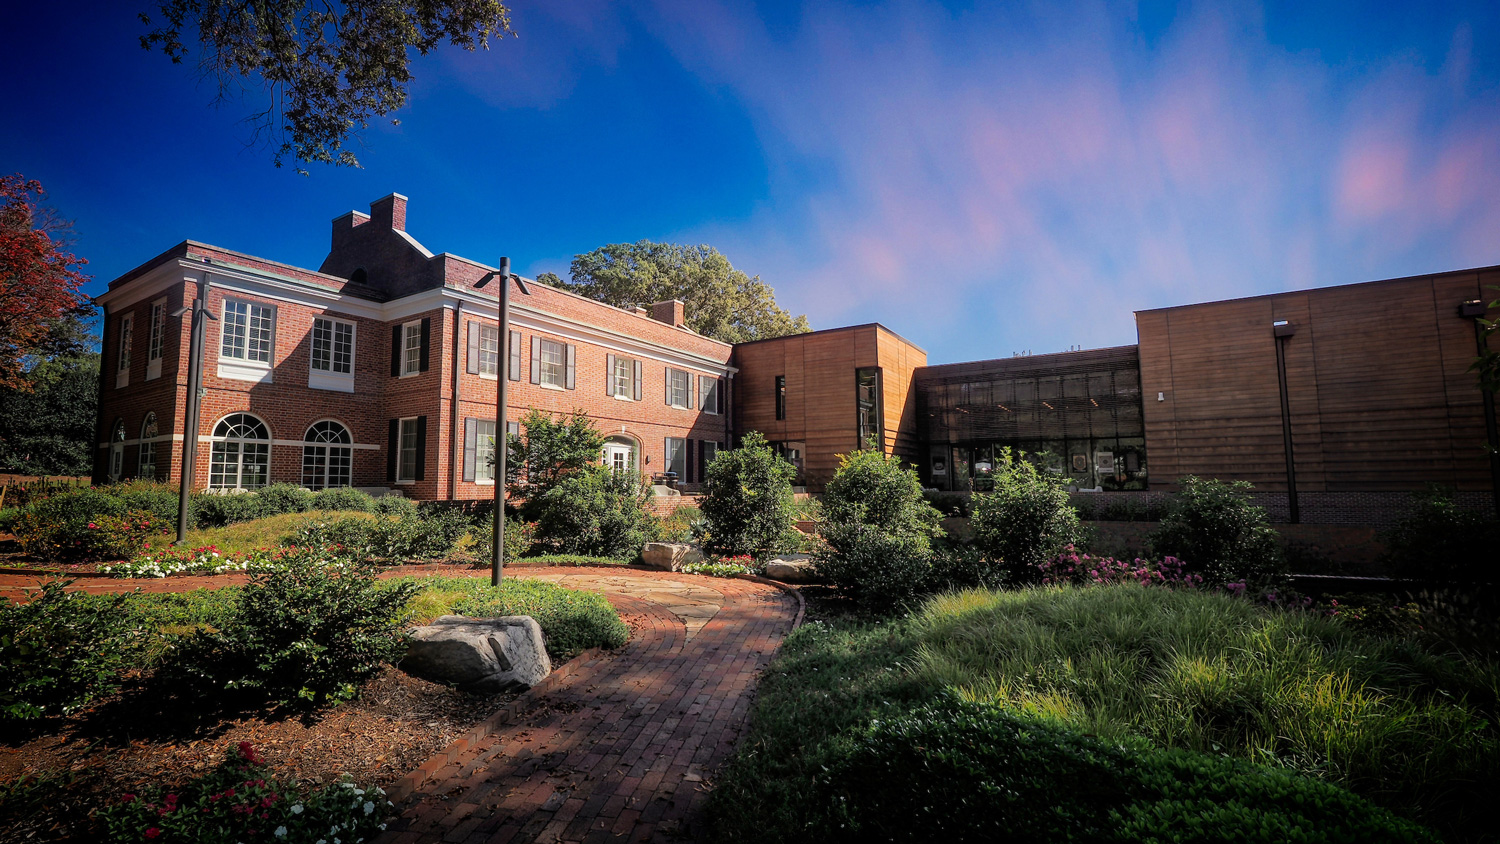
x: 146, y: 466
x: 117, y: 451
x: 677, y: 457
x: 554, y: 366
x: 241, y: 455
x: 622, y: 378
x: 327, y: 456
x: 484, y: 449
x: 489, y: 350
x: 406, y: 466
x: 248, y: 330
x: 333, y: 346
x: 411, y: 349
x: 155, y: 338
x: 708, y: 394
x: 679, y: 388
x: 122, y: 363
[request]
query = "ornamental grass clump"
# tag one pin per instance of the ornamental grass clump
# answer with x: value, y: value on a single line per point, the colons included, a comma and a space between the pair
x: 308, y: 628
x: 242, y: 801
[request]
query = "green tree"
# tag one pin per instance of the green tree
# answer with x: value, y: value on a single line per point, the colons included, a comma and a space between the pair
x: 873, y: 488
x: 548, y: 451
x: 747, y: 501
x: 47, y: 422
x: 1027, y: 520
x: 722, y: 302
x: 325, y: 68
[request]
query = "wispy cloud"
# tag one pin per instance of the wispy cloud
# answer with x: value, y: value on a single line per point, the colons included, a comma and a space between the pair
x: 1038, y: 173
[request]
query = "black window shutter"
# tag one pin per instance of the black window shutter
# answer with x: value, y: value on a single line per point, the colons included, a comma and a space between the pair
x: 719, y: 397
x: 637, y: 393
x: 395, y: 351
x: 609, y: 375
x: 421, y: 448
x: 426, y: 338
x: 471, y: 446
x: 392, y: 451
x: 687, y: 469
x: 515, y: 356
x: 536, y: 359
x: 472, y: 365
x: 570, y: 358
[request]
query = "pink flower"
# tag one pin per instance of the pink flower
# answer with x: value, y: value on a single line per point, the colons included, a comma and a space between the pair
x: 153, y: 832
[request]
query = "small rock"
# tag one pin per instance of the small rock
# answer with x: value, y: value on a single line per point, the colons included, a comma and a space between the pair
x: 670, y: 556
x: 479, y: 654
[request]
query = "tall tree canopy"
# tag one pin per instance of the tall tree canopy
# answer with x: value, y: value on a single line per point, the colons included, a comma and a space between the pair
x: 39, y: 282
x: 47, y: 424
x: 722, y: 302
x: 326, y: 68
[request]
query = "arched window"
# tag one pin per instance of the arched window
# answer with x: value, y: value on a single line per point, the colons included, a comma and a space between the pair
x: 146, y: 469
x: 117, y: 450
x: 326, y: 456
x: 241, y: 453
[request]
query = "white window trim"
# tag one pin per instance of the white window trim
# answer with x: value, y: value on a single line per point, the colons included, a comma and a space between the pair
x: 156, y: 339
x: 239, y: 475
x: 562, y: 365
x: 244, y: 369
x: 703, y: 403
x: 494, y: 444
x: 415, y: 328
x: 630, y: 385
x: 123, y: 355
x: 688, y: 376
x: 341, y: 382
x: 401, y: 446
x: 500, y: 356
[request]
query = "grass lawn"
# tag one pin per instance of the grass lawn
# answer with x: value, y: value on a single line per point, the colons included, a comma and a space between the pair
x: 1146, y: 668
x: 268, y: 532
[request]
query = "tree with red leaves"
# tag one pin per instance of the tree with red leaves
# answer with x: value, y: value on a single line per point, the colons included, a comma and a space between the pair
x: 39, y: 280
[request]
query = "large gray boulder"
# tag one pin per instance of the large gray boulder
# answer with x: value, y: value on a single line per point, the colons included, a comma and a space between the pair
x: 479, y: 654
x: 792, y: 568
x: 670, y: 556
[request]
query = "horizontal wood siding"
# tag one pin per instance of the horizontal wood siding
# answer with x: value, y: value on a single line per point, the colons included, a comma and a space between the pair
x: 1377, y: 379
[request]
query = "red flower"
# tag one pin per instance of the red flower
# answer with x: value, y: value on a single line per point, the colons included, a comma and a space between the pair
x: 153, y: 832
x: 129, y: 798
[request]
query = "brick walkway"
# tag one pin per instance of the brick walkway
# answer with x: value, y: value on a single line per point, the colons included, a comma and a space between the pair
x: 615, y: 746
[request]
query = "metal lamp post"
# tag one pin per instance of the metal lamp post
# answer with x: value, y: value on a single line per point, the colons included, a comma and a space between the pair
x: 189, y: 467
x: 502, y: 428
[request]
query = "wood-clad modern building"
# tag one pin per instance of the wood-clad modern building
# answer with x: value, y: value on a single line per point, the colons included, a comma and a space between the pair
x: 1339, y: 399
x: 816, y: 396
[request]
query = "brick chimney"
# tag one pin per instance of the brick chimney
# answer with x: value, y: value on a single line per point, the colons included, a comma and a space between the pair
x: 640, y: 311
x: 389, y: 212
x: 672, y: 312
x: 346, y: 223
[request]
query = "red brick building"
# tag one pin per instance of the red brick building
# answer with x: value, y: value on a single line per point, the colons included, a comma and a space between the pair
x: 379, y: 369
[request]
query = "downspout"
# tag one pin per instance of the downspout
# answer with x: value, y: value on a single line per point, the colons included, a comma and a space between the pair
x: 1282, y: 331
x: 456, y: 441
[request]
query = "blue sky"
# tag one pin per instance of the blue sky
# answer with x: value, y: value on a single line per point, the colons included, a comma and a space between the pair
x: 983, y: 178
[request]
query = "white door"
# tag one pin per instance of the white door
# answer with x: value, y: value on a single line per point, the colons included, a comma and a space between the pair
x: 617, y: 456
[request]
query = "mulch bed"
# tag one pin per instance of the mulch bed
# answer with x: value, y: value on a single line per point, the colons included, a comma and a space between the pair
x: 137, y: 738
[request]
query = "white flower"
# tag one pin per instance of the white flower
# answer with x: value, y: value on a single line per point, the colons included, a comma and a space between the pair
x: 280, y: 832
x: 369, y: 807
x: 297, y: 809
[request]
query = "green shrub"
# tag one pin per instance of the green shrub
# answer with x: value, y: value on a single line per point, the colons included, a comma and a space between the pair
x: 284, y: 498
x: 747, y: 501
x: 242, y: 801
x: 342, y: 498
x: 571, y: 560
x: 595, y: 512
x: 878, y: 570
x: 417, y: 534
x: 352, y: 534
x: 874, y: 489
x: 1025, y: 521
x: 549, y: 450
x: 216, y: 509
x: 572, y: 620
x: 61, y: 650
x: 722, y: 568
x: 678, y: 526
x: 950, y: 504
x: 122, y: 537
x: 1441, y: 542
x: 961, y: 771
x: 57, y: 527
x: 306, y: 631
x: 394, y: 505
x: 160, y: 499
x: 1212, y: 527
x: 519, y: 538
